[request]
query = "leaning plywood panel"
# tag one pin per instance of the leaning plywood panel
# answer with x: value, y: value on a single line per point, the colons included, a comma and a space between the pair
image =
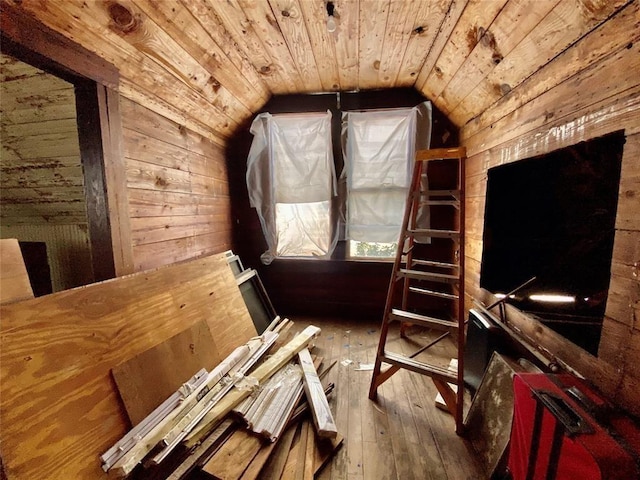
x: 150, y: 377
x: 60, y: 407
x: 14, y: 281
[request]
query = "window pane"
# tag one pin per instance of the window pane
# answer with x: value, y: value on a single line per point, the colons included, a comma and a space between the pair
x: 303, y: 229
x: 302, y: 158
x: 376, y: 215
x: 372, y: 249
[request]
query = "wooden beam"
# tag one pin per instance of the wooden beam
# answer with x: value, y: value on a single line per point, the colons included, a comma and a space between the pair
x: 42, y: 47
x: 322, y: 417
x: 113, y: 164
x: 91, y: 151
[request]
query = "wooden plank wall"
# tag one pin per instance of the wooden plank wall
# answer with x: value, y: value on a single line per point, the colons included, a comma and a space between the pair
x: 589, y: 99
x: 177, y: 188
x: 60, y: 406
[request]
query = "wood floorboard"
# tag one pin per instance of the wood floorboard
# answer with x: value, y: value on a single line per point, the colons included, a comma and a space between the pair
x: 400, y: 436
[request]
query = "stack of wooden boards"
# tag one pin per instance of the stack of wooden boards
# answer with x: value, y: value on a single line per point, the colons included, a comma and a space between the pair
x: 231, y: 385
x: 61, y: 408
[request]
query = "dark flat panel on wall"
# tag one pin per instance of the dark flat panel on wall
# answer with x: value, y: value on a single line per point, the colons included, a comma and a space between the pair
x: 37, y: 263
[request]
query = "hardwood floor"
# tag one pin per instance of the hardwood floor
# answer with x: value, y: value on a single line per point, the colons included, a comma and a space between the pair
x: 400, y: 436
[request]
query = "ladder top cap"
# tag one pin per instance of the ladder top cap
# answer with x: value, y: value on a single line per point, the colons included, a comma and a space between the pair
x: 441, y: 153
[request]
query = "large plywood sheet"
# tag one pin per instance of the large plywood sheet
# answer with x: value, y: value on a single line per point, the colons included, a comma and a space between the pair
x: 60, y: 406
x: 149, y: 378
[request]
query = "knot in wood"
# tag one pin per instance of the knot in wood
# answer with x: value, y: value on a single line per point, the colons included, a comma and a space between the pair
x: 123, y: 19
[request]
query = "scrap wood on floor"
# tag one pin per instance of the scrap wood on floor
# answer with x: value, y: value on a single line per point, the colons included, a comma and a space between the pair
x: 230, y: 451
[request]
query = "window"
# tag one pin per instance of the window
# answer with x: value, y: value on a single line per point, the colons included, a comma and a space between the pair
x: 380, y: 147
x: 291, y: 181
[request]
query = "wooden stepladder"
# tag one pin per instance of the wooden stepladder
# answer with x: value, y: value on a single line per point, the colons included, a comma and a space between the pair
x: 413, y: 279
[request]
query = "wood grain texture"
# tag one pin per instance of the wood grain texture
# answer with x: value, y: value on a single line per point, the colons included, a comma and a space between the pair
x: 476, y: 18
x: 40, y: 149
x: 178, y: 194
x: 321, y: 413
x: 14, y: 281
x: 150, y: 377
x: 232, y: 459
x: 210, y: 65
x: 373, y: 20
x: 58, y: 350
x: 547, y: 122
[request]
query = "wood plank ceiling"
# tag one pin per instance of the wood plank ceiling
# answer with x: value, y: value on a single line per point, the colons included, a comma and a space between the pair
x: 223, y: 60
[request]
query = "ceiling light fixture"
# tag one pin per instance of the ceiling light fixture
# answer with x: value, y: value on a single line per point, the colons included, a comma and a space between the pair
x: 331, y: 20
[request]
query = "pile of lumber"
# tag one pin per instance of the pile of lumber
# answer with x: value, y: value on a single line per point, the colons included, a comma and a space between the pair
x: 80, y: 367
x: 260, y: 413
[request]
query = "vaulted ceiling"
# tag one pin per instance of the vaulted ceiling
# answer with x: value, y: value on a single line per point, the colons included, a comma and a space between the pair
x: 211, y: 64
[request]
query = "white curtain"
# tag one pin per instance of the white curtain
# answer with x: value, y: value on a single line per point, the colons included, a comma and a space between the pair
x: 380, y: 147
x: 291, y: 180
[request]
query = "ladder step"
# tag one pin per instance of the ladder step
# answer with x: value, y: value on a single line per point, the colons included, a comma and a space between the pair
x: 434, y: 233
x: 423, y: 368
x: 454, y: 203
x: 433, y: 293
x: 423, y: 320
x: 431, y: 263
x: 432, y: 276
x: 438, y: 193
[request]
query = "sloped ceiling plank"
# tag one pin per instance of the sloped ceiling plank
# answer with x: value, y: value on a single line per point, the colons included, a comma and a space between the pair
x: 288, y: 15
x: 516, y: 20
x: 150, y: 100
x: 563, y: 26
x: 563, y: 100
x: 397, y: 35
x: 322, y: 43
x: 476, y: 18
x: 232, y: 72
x: 609, y: 37
x: 262, y: 19
x: 373, y: 24
x: 228, y: 17
x: 139, y: 31
x: 442, y: 37
x: 426, y: 22
x: 201, y: 11
x: 139, y: 74
x: 347, y: 39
